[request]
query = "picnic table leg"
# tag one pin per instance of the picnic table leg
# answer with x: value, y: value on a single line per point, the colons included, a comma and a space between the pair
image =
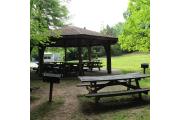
x: 94, y: 90
x: 92, y: 87
x: 138, y: 86
x: 97, y: 99
x: 129, y: 83
x: 50, y: 91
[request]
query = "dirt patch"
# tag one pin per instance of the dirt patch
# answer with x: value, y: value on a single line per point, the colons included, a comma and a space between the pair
x: 70, y: 105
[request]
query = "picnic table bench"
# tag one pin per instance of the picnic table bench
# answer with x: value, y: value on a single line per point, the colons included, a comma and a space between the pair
x: 95, y: 83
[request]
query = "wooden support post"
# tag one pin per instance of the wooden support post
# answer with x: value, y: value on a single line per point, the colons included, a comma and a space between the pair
x: 89, y: 53
x: 108, y: 56
x: 80, y: 61
x: 65, y: 54
x: 50, y: 91
x: 41, y: 50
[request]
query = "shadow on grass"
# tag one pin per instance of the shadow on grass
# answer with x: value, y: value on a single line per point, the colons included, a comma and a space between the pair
x: 43, y: 109
x: 88, y: 105
x: 34, y: 98
x: 34, y: 76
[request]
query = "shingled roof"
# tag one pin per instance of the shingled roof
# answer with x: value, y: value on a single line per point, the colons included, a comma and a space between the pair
x: 73, y: 30
x: 75, y: 37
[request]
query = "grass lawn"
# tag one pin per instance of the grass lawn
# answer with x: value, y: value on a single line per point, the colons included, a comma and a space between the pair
x: 70, y: 105
x: 131, y: 63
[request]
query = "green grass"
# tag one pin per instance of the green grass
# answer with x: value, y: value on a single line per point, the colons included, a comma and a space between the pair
x: 142, y: 114
x: 33, y: 98
x: 46, y: 108
x: 131, y: 63
x: 112, y: 108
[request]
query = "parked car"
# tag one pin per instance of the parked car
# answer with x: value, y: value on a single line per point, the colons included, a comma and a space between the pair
x: 51, y: 57
x: 34, y: 66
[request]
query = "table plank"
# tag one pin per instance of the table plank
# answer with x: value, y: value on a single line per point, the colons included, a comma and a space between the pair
x: 112, y: 77
x: 118, y: 93
x: 51, y: 75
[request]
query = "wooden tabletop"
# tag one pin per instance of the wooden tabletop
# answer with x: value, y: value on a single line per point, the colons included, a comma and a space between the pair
x: 112, y: 77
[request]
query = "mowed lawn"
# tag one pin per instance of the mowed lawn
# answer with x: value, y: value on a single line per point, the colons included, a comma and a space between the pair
x: 131, y: 63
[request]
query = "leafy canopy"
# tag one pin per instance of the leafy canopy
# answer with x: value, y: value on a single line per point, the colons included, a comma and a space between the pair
x: 45, y: 14
x: 136, y: 29
x: 113, y: 31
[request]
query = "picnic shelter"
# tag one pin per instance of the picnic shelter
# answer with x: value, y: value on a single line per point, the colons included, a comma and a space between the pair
x: 72, y: 36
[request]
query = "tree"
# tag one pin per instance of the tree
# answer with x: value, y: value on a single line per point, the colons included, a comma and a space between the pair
x: 118, y: 28
x: 136, y: 29
x: 113, y: 31
x: 45, y: 15
x: 108, y: 31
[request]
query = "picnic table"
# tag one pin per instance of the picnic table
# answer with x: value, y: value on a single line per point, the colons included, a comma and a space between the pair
x: 70, y: 68
x: 95, y: 83
x: 93, y: 64
x: 62, y: 68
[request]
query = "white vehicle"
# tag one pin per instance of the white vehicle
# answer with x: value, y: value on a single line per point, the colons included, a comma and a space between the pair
x: 51, y: 57
x: 33, y: 66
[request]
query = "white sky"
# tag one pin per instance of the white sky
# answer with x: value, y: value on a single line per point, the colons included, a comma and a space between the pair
x: 94, y: 14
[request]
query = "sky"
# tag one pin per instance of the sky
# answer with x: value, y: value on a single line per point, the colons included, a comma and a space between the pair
x: 94, y: 14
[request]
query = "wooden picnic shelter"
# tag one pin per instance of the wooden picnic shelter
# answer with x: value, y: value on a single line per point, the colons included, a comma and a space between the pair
x: 72, y: 36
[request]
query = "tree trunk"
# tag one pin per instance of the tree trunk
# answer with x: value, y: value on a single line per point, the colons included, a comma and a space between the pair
x: 41, y: 50
x: 31, y: 48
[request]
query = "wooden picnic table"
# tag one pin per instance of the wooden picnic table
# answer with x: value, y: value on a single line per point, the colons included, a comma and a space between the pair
x: 93, y: 64
x: 95, y: 83
x: 70, y: 68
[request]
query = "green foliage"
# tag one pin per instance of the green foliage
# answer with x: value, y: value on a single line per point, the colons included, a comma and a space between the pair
x: 113, y: 31
x: 34, y: 53
x: 45, y: 14
x: 72, y: 54
x: 136, y: 29
x: 107, y: 31
x: 118, y: 28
